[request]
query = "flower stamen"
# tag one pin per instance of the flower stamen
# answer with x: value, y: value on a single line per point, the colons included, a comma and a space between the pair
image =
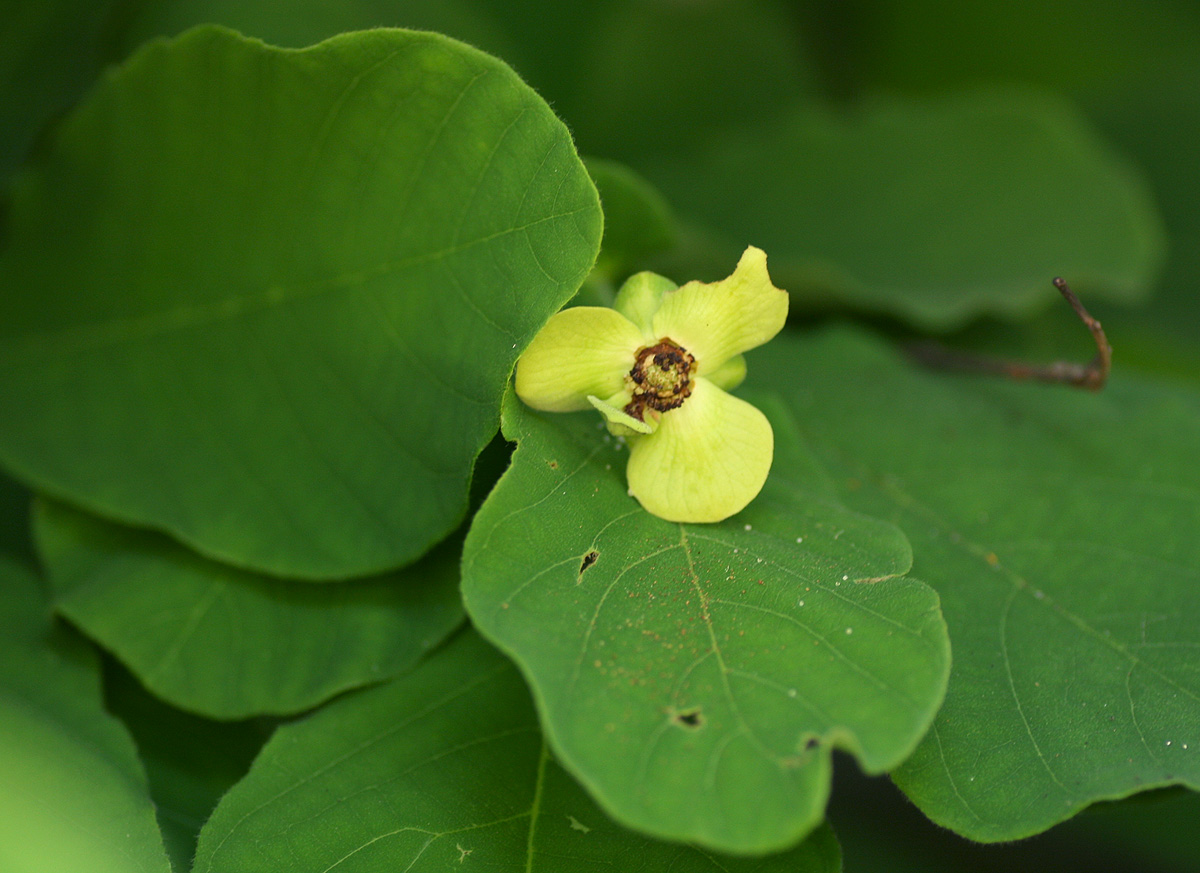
x: 660, y: 378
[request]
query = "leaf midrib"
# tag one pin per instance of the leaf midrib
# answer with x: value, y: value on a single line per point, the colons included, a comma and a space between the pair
x: 19, y: 351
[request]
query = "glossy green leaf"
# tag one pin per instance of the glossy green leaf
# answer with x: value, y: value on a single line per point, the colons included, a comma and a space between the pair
x: 935, y: 211
x: 1059, y: 529
x: 696, y: 678
x: 226, y: 643
x: 286, y: 287
x: 442, y: 769
x: 74, y: 796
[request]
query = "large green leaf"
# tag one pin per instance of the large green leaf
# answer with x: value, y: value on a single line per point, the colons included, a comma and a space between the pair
x: 697, y: 677
x: 267, y: 300
x: 74, y: 796
x: 1059, y: 529
x: 227, y: 643
x: 442, y: 769
x: 544, y: 40
x: 935, y: 210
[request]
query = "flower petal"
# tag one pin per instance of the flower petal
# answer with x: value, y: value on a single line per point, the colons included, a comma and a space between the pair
x: 619, y: 422
x: 715, y: 321
x: 639, y: 298
x: 583, y: 350
x: 707, y: 460
x: 730, y: 374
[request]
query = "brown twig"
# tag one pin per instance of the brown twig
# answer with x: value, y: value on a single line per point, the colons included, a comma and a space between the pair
x: 1091, y: 376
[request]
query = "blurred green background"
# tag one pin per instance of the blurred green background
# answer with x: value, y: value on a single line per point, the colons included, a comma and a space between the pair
x: 663, y: 85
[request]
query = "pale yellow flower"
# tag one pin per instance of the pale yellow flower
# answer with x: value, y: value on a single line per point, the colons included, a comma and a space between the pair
x: 658, y: 367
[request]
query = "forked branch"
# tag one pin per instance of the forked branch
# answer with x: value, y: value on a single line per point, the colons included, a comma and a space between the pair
x: 1091, y: 376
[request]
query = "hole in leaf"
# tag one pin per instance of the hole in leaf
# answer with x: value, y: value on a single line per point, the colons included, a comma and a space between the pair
x: 588, y: 560
x: 691, y: 719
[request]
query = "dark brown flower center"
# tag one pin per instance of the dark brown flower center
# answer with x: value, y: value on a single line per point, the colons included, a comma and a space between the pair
x: 661, y: 378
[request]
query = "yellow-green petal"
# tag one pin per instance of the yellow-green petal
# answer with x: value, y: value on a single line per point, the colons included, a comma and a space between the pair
x: 730, y: 374
x: 619, y: 422
x: 583, y: 350
x: 707, y: 460
x: 639, y: 298
x: 717, y: 320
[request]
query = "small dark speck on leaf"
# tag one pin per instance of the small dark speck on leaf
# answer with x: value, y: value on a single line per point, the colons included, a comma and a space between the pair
x: 553, y: 465
x: 588, y: 560
x: 690, y: 719
x: 811, y: 743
